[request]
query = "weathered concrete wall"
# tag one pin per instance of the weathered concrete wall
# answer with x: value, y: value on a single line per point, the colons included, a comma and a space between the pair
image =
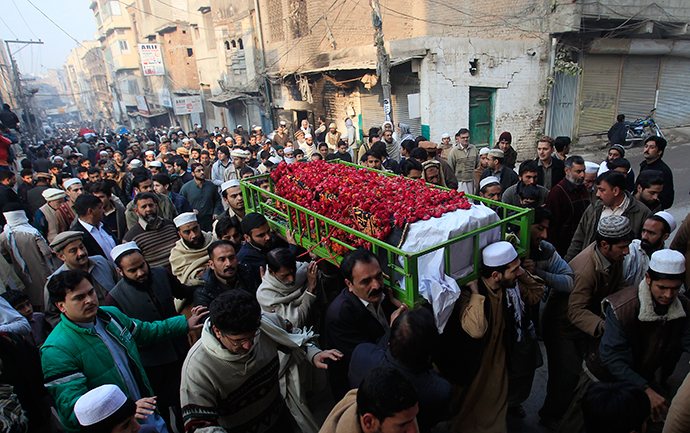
x: 518, y: 77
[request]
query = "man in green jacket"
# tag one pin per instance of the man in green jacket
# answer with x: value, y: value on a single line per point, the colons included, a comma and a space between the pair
x: 93, y: 346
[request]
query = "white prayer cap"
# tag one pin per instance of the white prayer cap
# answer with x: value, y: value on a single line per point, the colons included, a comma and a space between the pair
x: 388, y: 122
x: 103, y: 153
x: 239, y: 126
x: 283, y: 123
x: 123, y: 248
x: 307, y: 135
x: 669, y: 219
x: 488, y: 181
x: 70, y: 182
x: 135, y: 163
x: 51, y: 194
x: 445, y: 135
x: 149, y: 152
x: 275, y: 159
x: 150, y: 143
x: 184, y: 218
x: 257, y: 128
x: 156, y: 164
x: 98, y: 404
x: 484, y: 151
x: 59, y: 157
x: 497, y: 153
x: 185, y: 140
x: 239, y: 153
x: 288, y: 149
x: 591, y: 167
x: 499, y: 254
x: 669, y: 262
x: 229, y: 184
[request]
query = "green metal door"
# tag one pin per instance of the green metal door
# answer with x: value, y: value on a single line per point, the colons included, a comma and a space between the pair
x: 481, y: 115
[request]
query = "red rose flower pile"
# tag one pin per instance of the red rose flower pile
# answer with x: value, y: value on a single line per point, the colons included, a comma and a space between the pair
x: 352, y: 196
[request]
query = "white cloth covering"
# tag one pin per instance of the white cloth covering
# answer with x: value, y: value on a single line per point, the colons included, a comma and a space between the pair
x: 437, y: 285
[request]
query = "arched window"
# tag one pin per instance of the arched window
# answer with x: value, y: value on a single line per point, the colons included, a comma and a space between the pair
x: 227, y: 45
x: 234, y: 44
x: 240, y: 43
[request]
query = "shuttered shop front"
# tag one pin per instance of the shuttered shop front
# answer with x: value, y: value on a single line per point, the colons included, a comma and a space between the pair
x: 638, y: 86
x: 600, y: 79
x: 371, y: 101
x: 674, y: 93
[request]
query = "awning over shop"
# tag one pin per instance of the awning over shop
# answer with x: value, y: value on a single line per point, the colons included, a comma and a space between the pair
x: 148, y: 116
x: 229, y: 96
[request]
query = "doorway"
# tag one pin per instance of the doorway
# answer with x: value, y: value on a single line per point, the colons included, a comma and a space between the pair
x: 481, y: 116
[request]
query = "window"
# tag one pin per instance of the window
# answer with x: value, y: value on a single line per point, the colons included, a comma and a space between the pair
x: 123, y: 46
x: 115, y: 7
x: 133, y: 87
x: 98, y: 19
x: 234, y: 44
x: 239, y: 42
x: 275, y: 20
x: 227, y: 45
x: 190, y: 52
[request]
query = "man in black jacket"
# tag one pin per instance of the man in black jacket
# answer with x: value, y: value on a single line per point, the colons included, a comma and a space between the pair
x: 259, y: 240
x: 147, y: 293
x: 618, y: 131
x: 224, y: 273
x: 654, y: 150
x: 551, y: 170
x: 359, y: 314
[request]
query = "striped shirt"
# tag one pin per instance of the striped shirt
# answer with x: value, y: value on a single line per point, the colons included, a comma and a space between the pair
x: 155, y: 242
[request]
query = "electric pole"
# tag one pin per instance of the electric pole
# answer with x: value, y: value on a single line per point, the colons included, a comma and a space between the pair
x: 21, y: 97
x: 383, y: 64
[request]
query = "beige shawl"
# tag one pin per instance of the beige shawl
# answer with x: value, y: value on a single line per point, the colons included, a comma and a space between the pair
x: 188, y: 264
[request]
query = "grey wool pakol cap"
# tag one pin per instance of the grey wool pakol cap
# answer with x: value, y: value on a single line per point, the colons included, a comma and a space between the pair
x: 614, y: 226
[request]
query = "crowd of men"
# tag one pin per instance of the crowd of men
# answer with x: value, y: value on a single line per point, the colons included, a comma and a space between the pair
x: 140, y: 295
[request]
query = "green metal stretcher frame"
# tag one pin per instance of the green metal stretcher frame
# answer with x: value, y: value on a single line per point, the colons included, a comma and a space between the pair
x: 409, y: 294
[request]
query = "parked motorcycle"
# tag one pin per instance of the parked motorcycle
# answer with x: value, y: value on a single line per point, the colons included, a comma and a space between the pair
x: 641, y: 129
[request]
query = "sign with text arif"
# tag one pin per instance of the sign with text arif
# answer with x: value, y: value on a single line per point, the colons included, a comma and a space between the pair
x: 151, y: 59
x: 188, y: 105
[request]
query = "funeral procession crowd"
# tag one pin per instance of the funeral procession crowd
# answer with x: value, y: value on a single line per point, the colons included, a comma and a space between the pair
x: 138, y: 294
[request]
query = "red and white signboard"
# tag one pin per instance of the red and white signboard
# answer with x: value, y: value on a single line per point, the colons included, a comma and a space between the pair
x: 142, y: 105
x: 151, y: 59
x: 188, y: 104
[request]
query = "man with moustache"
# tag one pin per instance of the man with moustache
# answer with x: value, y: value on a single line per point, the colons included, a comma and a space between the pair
x: 567, y: 201
x: 147, y: 294
x: 361, y: 313
x: 654, y: 150
x: 657, y: 228
x: 189, y: 258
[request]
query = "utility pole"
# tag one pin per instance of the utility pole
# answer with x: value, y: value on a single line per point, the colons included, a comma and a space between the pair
x: 21, y: 97
x: 383, y: 64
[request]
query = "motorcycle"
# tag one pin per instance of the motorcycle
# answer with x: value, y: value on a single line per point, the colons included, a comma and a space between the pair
x: 641, y: 129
